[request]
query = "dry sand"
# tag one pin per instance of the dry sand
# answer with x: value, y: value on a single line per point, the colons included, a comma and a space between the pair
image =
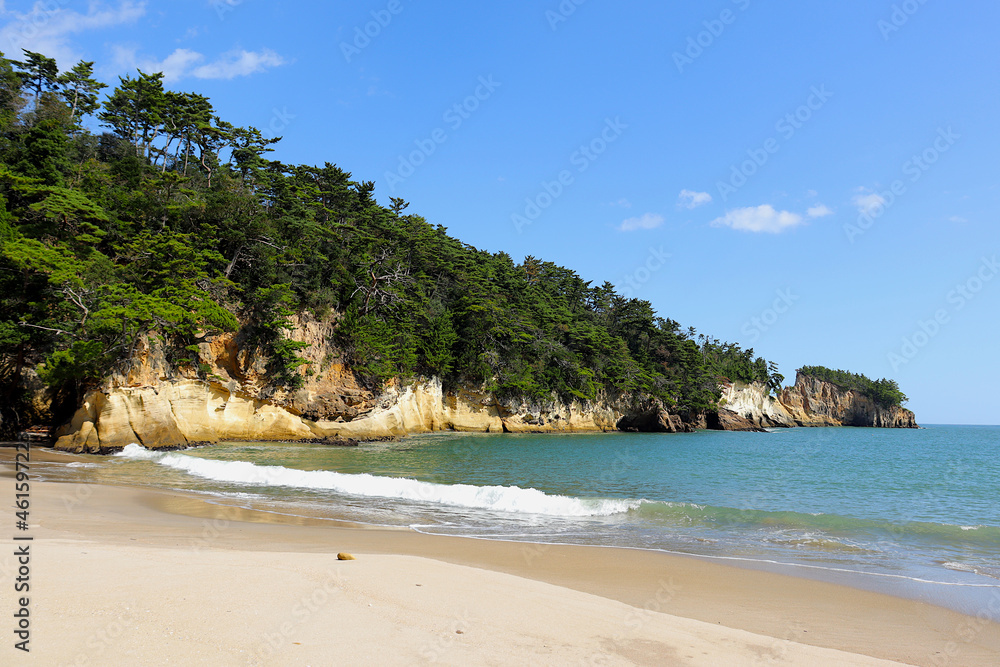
x: 125, y: 576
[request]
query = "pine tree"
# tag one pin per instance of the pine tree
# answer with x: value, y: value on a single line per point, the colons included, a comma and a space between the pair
x: 80, y: 89
x: 38, y: 73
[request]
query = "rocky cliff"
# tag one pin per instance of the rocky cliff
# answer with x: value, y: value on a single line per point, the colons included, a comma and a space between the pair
x: 813, y: 402
x: 224, y: 395
x: 810, y: 402
x: 180, y: 412
x: 754, y: 403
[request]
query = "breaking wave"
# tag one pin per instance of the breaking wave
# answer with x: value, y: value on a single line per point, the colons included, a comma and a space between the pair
x: 511, y: 499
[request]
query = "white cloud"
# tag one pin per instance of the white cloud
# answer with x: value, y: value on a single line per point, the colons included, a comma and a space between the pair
x: 240, y: 63
x: 692, y: 199
x: 624, y: 203
x: 47, y: 28
x: 174, y: 67
x: 123, y: 59
x: 177, y: 63
x: 819, y: 211
x: 869, y: 203
x: 646, y: 221
x: 185, y: 62
x: 759, y: 219
x: 957, y: 219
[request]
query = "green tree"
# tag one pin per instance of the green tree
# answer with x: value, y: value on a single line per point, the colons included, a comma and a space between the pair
x: 38, y: 73
x: 249, y: 147
x: 269, y: 316
x: 80, y: 89
x: 42, y: 152
x: 135, y: 110
x: 436, y: 343
x: 10, y: 95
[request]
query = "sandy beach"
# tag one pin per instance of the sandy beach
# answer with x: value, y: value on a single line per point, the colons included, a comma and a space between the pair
x: 128, y: 576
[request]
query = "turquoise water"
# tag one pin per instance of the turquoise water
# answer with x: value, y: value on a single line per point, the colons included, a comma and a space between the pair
x: 914, y: 512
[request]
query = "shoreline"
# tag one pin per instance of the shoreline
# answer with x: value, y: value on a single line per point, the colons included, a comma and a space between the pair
x: 881, y: 583
x: 920, y: 584
x: 647, y: 589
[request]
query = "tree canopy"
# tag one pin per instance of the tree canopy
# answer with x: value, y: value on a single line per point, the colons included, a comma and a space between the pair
x: 176, y: 221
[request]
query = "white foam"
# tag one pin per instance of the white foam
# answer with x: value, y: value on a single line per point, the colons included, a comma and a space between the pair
x: 960, y: 567
x: 964, y: 567
x: 497, y: 498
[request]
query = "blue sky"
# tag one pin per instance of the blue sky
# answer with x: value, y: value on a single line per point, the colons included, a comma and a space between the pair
x: 815, y: 180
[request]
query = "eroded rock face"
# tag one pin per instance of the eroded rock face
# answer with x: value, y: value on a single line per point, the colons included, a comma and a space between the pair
x: 727, y: 420
x: 158, y: 405
x: 225, y: 395
x: 813, y: 402
x: 754, y: 403
x: 175, y: 413
x: 810, y: 402
x: 329, y: 390
x: 653, y: 418
x: 180, y: 412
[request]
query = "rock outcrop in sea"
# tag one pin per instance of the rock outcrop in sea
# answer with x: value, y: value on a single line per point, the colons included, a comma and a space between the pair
x: 811, y: 402
x: 814, y: 402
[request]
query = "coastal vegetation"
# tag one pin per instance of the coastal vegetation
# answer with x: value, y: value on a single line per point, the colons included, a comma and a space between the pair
x: 144, y: 211
x: 883, y: 392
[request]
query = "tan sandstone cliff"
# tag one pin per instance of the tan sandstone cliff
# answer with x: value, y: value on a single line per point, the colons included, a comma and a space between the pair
x: 814, y: 402
x: 181, y: 412
x: 754, y: 403
x: 224, y: 395
x: 811, y: 402
x: 156, y: 405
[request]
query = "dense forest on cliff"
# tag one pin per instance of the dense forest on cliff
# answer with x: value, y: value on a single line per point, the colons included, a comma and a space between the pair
x: 883, y: 392
x: 169, y: 219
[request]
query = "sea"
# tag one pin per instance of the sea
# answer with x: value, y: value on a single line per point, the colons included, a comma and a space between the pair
x: 913, y: 513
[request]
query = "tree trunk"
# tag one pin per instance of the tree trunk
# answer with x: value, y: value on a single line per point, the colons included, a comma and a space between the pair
x: 232, y: 264
x: 76, y: 97
x: 166, y: 149
x: 206, y: 168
